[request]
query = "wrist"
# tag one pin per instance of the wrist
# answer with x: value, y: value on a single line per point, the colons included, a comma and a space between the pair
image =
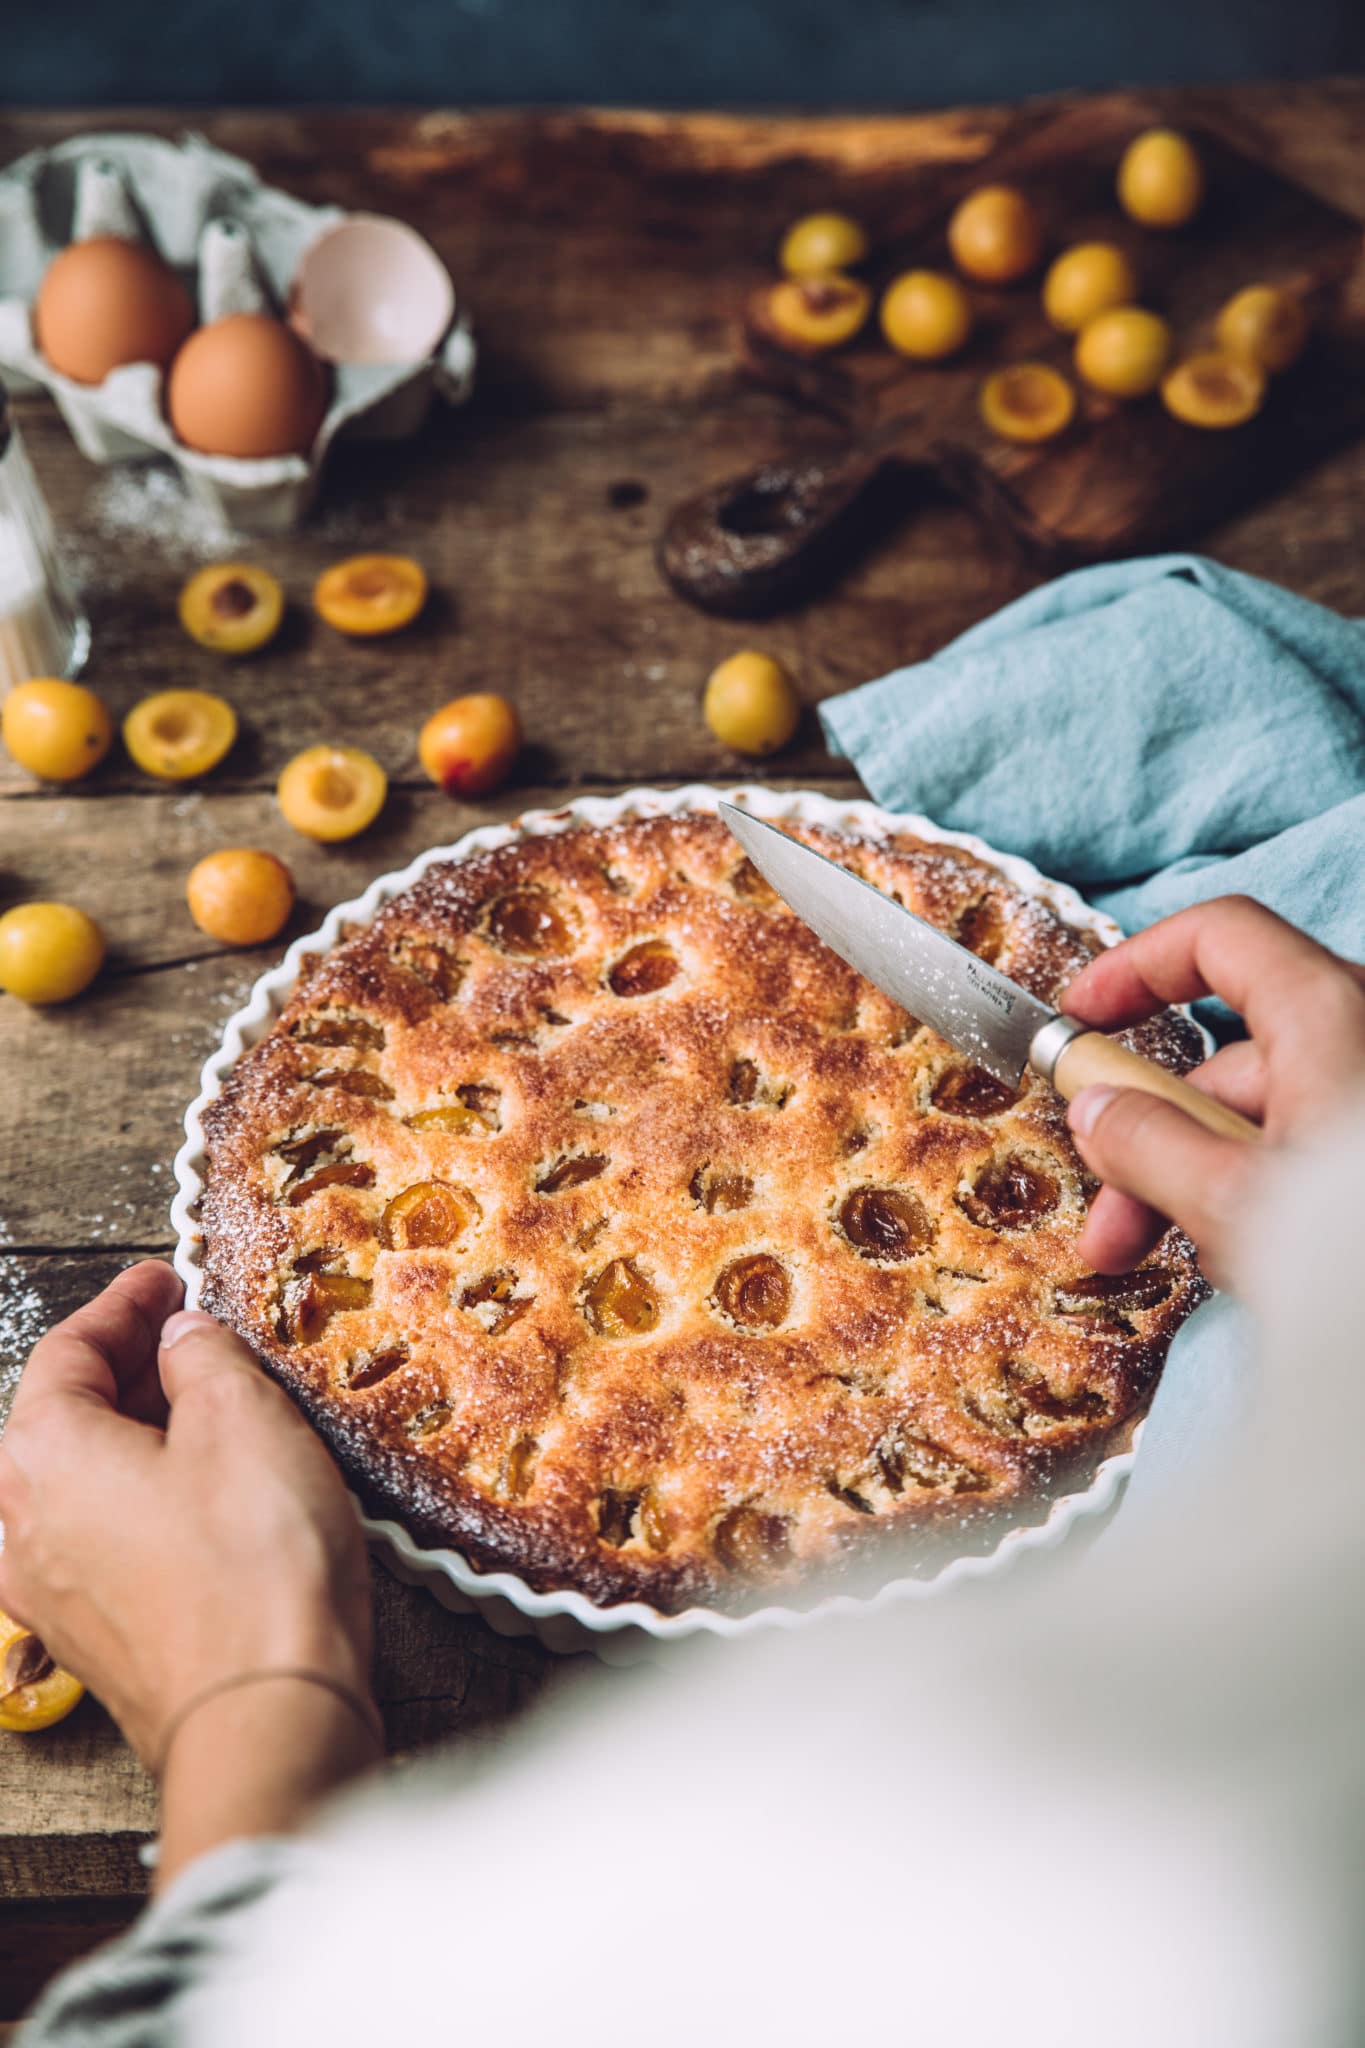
x: 257, y: 1758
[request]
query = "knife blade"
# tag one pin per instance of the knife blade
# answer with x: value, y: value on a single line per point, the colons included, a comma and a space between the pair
x: 982, y: 1013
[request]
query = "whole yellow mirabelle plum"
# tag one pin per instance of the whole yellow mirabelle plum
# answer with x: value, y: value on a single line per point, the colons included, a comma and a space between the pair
x: 240, y: 895
x: 820, y: 242
x: 55, y: 729
x: 751, y: 703
x: 49, y: 952
x: 996, y: 235
x: 1089, y: 279
x: 469, y: 746
x: 1124, y: 352
x: 1161, y: 180
x: 926, y: 315
x: 1265, y: 325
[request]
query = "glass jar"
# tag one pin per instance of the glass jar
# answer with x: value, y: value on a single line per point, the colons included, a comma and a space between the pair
x: 43, y: 631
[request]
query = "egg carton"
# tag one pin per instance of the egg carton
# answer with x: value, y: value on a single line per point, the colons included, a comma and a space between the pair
x: 238, y: 244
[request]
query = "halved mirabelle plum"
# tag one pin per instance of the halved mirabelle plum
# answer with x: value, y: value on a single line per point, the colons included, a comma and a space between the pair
x: 1214, y: 390
x: 754, y: 1291
x: 1027, y: 402
x: 494, y: 1302
x: 477, y: 1108
x: 1084, y: 281
x: 821, y: 242
x: 34, y: 1691
x: 528, y: 921
x: 1124, y: 352
x: 55, y: 729
x: 332, y: 792
x: 752, y: 1542
x: 240, y: 895
x: 884, y: 1223
x: 810, y: 315
x: 573, y: 1170
x: 926, y: 315
x: 1266, y: 325
x: 619, y: 1302
x: 232, y: 607
x: 179, y: 733
x: 1161, y: 180
x: 432, y: 1214
x: 49, y: 952
x: 469, y: 746
x: 314, y: 1298
x: 644, y: 970
x: 1012, y: 1194
x: 370, y: 594
x: 996, y: 235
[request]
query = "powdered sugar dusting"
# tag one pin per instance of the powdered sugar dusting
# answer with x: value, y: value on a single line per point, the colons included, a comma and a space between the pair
x: 23, y: 1319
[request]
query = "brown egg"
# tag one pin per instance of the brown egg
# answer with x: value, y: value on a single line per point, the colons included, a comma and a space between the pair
x: 246, y: 386
x: 106, y: 302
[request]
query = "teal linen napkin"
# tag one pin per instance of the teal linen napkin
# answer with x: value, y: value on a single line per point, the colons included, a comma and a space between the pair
x: 1156, y: 732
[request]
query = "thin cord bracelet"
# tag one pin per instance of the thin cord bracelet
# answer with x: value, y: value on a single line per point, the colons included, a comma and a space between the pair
x: 364, y: 1710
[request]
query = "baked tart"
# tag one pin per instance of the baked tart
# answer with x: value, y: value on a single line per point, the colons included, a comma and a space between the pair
x: 615, y: 1232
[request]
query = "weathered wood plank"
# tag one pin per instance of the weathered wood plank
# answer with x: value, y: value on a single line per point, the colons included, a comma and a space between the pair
x: 543, y: 589
x: 159, y: 837
x: 39, y: 1937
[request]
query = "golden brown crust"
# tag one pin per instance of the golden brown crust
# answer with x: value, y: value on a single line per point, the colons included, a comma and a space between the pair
x: 719, y: 1270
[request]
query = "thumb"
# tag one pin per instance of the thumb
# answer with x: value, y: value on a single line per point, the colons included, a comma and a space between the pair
x: 196, y: 1352
x: 1153, y: 1151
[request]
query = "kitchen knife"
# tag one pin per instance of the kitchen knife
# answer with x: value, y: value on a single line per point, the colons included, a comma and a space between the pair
x: 995, y: 1022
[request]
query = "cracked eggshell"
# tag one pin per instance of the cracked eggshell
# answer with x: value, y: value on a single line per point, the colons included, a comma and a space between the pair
x: 177, y: 196
x: 371, y: 290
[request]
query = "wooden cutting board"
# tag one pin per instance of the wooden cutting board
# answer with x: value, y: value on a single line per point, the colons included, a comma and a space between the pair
x: 1125, y: 477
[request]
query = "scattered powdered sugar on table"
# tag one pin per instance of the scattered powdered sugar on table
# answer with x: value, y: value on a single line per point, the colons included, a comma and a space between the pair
x: 23, y: 1319
x: 134, y: 506
x: 145, y: 504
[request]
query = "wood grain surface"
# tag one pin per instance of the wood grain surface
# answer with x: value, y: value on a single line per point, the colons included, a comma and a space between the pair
x: 605, y: 259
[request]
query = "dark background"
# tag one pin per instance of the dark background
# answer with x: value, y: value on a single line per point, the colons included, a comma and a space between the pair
x: 733, y: 53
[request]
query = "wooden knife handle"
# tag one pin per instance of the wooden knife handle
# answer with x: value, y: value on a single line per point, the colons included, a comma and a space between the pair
x: 1092, y: 1059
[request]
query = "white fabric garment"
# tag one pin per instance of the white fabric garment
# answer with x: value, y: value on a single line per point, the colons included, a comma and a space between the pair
x: 1121, y: 1802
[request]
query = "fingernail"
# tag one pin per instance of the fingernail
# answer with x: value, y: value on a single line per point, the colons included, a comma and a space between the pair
x: 1087, y: 1108
x: 184, y: 1323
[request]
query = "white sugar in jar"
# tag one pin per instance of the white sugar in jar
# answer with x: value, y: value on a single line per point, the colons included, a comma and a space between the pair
x: 42, y: 629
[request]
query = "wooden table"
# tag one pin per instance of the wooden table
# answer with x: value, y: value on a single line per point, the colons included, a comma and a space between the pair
x: 604, y: 258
